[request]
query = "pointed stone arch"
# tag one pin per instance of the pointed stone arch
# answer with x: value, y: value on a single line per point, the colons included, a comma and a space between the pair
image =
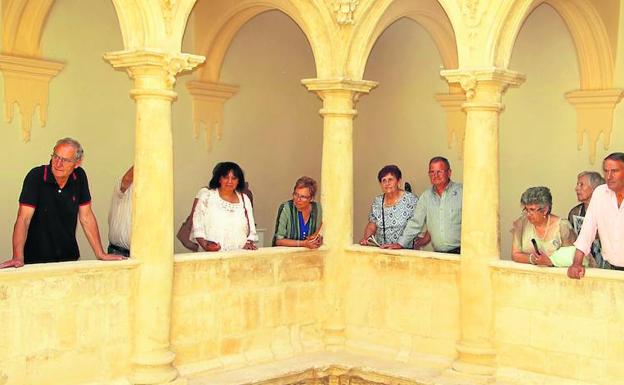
x: 26, y: 74
x: 155, y: 24
x: 315, y: 23
x: 430, y: 14
x: 596, y: 97
x: 588, y: 31
x: 220, y: 22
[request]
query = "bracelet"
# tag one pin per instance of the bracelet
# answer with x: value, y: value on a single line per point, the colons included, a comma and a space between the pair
x: 532, y: 260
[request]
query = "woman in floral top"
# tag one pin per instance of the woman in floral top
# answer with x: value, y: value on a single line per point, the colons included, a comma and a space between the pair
x: 390, y: 211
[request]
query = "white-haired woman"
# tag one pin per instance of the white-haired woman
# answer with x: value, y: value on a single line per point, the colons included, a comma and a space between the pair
x: 586, y: 182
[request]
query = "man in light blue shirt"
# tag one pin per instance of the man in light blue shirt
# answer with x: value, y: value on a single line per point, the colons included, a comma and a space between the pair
x: 439, y: 209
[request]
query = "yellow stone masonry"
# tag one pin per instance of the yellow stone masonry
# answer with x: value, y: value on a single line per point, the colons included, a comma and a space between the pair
x: 241, y: 308
x: 472, y: 319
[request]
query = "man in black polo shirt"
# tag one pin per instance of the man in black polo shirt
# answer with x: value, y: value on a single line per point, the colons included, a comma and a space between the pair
x: 54, y: 196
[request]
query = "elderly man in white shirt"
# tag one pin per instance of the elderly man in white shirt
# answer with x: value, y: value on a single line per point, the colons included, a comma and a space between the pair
x: 120, y: 216
x: 605, y: 214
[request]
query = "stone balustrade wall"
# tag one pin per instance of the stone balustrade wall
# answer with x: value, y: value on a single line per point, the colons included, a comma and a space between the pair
x: 237, y: 308
x: 403, y: 304
x: 549, y: 324
x: 66, y: 323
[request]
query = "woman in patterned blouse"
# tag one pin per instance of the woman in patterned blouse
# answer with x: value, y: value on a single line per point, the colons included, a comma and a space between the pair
x: 390, y: 211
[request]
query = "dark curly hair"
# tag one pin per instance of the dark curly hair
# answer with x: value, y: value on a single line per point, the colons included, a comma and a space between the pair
x: 221, y: 170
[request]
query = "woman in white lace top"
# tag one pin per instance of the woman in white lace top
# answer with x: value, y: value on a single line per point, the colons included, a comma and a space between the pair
x: 223, y: 218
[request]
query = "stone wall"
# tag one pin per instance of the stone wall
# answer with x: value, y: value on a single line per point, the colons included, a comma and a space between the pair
x: 549, y: 324
x: 66, y: 323
x: 403, y: 304
x: 237, y: 308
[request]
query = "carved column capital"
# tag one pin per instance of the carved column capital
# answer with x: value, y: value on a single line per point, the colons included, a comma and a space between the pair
x: 339, y: 96
x: 154, y: 72
x: 594, y: 114
x: 484, y: 87
x: 208, y: 102
x: 26, y: 83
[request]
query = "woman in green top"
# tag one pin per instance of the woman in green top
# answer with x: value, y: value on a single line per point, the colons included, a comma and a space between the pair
x: 299, y: 219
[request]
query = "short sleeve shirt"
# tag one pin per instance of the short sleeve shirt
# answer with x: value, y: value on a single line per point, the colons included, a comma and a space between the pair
x: 52, y: 232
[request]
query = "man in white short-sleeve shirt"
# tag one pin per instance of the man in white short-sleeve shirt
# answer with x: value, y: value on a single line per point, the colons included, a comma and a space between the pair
x: 120, y: 216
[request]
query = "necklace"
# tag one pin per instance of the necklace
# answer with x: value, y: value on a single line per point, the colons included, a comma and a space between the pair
x: 545, y: 229
x: 392, y: 200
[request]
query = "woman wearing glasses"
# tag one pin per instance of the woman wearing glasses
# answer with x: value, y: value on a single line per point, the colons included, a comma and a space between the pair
x: 299, y: 219
x: 390, y: 211
x: 538, y: 233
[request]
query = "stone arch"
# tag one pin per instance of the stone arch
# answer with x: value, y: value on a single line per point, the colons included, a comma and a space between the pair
x: 596, y: 97
x: 430, y: 14
x: 231, y: 19
x: 23, y: 22
x: 220, y: 22
x: 595, y: 57
x: 26, y: 74
x: 146, y: 24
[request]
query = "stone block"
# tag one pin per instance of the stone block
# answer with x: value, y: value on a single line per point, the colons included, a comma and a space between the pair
x: 187, y: 352
x: 251, y: 311
x: 214, y: 277
x: 66, y: 328
x: 281, y: 345
x: 271, y: 308
x: 230, y: 313
x: 209, y: 349
x: 231, y: 345
x: 513, y: 325
x: 251, y: 272
x: 312, y: 337
x: 523, y: 357
x: 301, y: 267
x: 432, y: 346
x: 412, y: 316
x: 594, y: 371
x: 258, y: 347
x: 289, y: 303
x: 563, y: 365
x: 614, y: 372
x: 309, y: 303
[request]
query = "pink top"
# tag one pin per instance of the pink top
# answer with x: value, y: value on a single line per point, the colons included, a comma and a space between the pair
x: 604, y: 215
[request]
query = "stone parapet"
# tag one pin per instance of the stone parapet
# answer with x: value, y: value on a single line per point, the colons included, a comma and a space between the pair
x: 66, y: 323
x: 402, y: 304
x: 551, y: 325
x: 238, y: 308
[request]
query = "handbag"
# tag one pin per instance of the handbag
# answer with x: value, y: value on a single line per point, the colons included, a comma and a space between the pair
x: 184, y: 233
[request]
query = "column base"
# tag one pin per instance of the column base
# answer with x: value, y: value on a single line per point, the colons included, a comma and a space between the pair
x: 475, y: 360
x: 155, y: 369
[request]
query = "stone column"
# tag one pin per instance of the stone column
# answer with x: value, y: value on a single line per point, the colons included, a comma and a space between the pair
x: 152, y: 225
x: 480, y: 220
x: 339, y: 98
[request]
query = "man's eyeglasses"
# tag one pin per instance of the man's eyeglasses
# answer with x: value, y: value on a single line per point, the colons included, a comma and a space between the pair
x: 301, y: 197
x: 60, y: 159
